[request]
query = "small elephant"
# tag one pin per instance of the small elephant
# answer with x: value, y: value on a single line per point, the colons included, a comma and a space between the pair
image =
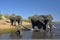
x: 14, y: 19
x: 40, y: 21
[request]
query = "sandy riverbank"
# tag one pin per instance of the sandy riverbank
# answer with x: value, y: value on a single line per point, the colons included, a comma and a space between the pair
x: 4, y: 26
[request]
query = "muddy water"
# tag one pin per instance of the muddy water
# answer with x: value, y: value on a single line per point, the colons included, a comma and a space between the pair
x: 55, y: 34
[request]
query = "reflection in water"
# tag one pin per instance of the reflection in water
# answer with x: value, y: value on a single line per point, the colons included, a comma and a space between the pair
x: 49, y: 35
x: 38, y: 35
x: 28, y: 35
x: 42, y: 35
x: 15, y: 36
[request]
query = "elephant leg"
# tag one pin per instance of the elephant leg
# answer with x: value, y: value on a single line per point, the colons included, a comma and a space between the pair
x: 50, y: 27
x: 39, y: 25
x: 44, y: 27
x: 33, y: 26
x: 14, y: 22
x: 18, y: 23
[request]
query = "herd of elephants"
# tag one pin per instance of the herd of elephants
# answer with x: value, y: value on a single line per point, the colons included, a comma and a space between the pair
x: 40, y: 21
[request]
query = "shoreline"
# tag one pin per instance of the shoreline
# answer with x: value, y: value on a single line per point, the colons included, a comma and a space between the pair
x: 6, y: 27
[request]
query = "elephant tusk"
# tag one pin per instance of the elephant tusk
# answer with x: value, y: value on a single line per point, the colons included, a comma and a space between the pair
x: 48, y: 26
x: 53, y: 26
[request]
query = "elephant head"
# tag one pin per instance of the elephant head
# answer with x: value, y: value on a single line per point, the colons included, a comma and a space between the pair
x: 46, y: 18
x: 50, y: 18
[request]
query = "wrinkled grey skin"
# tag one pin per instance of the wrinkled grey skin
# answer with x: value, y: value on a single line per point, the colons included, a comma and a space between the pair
x: 14, y: 19
x: 41, y: 21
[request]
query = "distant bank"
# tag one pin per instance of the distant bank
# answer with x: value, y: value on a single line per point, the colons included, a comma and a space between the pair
x: 56, y: 22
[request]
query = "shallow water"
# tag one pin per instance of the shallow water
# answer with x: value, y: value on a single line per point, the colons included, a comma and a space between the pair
x: 55, y: 34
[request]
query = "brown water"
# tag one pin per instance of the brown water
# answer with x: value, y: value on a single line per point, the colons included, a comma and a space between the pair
x: 55, y: 34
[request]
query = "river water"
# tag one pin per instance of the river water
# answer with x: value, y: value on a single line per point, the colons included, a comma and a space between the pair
x: 55, y: 34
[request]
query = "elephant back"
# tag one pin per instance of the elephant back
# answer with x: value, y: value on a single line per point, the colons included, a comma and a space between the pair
x: 41, y: 17
x: 18, y: 17
x: 35, y: 17
x: 12, y: 17
x: 15, y: 18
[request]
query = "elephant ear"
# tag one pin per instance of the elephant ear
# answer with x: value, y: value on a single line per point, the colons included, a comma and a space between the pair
x: 49, y: 17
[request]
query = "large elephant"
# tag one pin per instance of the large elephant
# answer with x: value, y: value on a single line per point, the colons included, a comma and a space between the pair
x: 41, y: 21
x: 14, y: 19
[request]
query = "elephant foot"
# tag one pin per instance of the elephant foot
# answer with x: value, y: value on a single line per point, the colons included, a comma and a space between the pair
x: 42, y: 31
x: 35, y: 30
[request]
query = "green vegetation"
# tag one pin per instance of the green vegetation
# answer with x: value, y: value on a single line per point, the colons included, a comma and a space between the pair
x: 29, y: 17
x: 6, y: 16
x: 26, y: 20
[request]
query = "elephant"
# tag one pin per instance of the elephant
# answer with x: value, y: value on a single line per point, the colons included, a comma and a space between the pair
x: 14, y: 19
x: 41, y: 21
